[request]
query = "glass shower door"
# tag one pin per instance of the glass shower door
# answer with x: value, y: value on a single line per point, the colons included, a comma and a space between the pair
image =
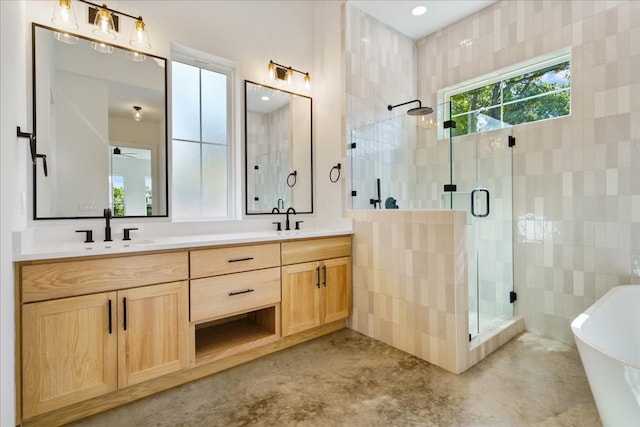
x: 481, y: 168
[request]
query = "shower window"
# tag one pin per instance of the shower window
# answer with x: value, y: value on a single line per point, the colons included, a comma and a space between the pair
x: 526, y: 93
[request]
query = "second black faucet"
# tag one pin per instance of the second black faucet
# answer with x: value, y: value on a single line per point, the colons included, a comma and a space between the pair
x: 107, y: 227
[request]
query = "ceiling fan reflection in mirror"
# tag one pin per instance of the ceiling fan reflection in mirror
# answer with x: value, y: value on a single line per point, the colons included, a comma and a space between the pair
x: 118, y: 152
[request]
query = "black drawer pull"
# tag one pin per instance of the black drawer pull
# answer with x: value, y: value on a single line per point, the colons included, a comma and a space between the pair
x: 241, y: 259
x: 241, y: 292
x: 110, y: 319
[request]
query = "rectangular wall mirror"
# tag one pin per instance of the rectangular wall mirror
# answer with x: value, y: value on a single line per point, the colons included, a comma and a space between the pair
x: 100, y: 117
x: 278, y: 150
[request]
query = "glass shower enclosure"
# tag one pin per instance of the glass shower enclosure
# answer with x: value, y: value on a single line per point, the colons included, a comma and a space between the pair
x: 415, y: 163
x: 481, y: 170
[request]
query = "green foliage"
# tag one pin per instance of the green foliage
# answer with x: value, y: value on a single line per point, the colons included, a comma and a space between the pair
x: 538, y: 95
x: 147, y: 200
x: 118, y: 201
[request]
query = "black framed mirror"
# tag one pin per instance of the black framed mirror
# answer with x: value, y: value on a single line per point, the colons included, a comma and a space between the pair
x: 278, y: 150
x: 100, y: 115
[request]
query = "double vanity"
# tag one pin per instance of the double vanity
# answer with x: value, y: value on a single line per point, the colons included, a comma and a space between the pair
x: 95, y: 332
x: 100, y: 324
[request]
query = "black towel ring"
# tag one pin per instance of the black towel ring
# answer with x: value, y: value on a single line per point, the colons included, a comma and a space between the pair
x: 337, y: 167
x: 293, y: 175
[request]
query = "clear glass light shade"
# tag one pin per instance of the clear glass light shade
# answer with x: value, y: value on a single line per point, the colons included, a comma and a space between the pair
x: 64, y: 17
x: 139, y: 36
x: 307, y: 81
x: 104, y: 27
x: 289, y: 76
x: 272, y: 70
x: 137, y: 113
x: 65, y: 38
x: 136, y: 56
x: 102, y: 47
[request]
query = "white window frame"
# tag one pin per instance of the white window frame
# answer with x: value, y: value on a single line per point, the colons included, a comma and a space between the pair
x: 548, y: 60
x: 216, y: 64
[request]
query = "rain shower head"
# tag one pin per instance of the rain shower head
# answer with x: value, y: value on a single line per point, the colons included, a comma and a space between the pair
x: 418, y: 111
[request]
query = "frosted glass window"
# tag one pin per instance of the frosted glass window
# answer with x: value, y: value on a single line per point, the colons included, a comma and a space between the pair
x: 214, y: 178
x: 186, y: 180
x: 200, y: 143
x: 186, y: 101
x: 214, y: 107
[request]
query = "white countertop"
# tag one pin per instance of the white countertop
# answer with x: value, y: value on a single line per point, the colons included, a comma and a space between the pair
x: 79, y: 249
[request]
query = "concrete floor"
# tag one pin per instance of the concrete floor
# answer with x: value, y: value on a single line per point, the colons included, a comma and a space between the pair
x: 347, y: 379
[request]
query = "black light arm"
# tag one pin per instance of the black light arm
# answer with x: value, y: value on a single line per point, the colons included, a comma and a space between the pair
x: 304, y: 73
x: 103, y: 6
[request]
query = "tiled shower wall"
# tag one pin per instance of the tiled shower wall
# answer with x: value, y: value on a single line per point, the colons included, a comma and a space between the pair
x: 576, y: 196
x: 267, y: 179
x: 380, y: 69
x: 576, y: 202
x: 410, y: 286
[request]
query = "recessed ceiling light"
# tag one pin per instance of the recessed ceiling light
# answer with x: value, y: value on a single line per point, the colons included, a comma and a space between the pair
x: 419, y: 10
x: 265, y: 98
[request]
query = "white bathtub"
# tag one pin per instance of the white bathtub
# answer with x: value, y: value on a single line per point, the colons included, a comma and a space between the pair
x: 608, y: 339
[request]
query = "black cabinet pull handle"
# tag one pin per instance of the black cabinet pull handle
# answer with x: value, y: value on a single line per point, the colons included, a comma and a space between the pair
x: 324, y: 272
x: 241, y: 292
x: 110, y: 319
x: 124, y: 315
x: 249, y: 258
x: 318, y: 282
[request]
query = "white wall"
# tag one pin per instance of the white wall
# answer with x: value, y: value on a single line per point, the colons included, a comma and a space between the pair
x: 13, y: 112
x: 303, y: 34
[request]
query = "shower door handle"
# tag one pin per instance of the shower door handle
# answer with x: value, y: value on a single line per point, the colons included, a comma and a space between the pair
x: 473, y: 203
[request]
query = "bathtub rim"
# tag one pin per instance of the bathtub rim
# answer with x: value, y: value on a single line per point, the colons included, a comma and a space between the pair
x: 576, y: 325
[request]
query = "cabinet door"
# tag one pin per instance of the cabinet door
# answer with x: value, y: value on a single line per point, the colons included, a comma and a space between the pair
x: 300, y: 297
x: 69, y: 351
x: 152, y: 332
x: 336, y: 289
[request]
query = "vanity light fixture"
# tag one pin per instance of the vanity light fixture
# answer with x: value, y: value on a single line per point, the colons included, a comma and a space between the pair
x: 281, y: 72
x: 102, y: 47
x: 140, y: 36
x: 104, y: 26
x: 65, y: 18
x: 105, y: 21
x: 137, y: 113
x: 136, y: 56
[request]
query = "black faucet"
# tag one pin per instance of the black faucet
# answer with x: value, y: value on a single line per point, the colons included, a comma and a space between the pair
x: 107, y: 228
x: 289, y: 210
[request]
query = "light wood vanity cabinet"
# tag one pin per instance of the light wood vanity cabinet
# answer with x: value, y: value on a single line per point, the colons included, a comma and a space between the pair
x: 79, y: 347
x: 236, y: 307
x: 317, y: 292
x: 68, y: 354
x: 96, y: 333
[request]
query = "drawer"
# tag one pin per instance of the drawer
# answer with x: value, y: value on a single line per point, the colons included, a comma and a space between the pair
x: 212, y: 262
x: 43, y: 281
x: 220, y: 296
x: 315, y: 250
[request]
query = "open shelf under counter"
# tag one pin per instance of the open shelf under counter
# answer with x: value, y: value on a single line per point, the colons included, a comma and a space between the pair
x: 226, y: 337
